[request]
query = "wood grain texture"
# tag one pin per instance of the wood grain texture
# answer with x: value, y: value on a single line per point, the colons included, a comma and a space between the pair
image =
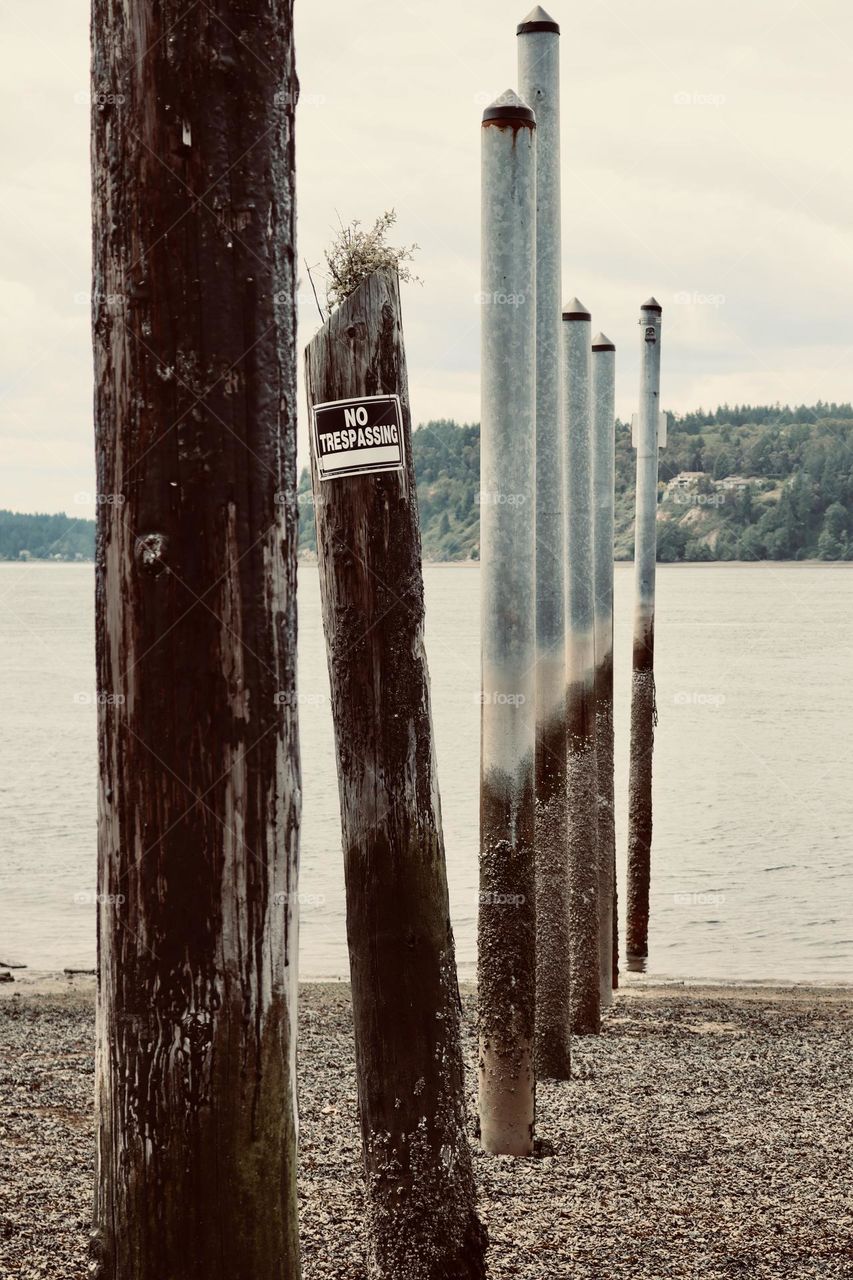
x: 420, y: 1183
x: 194, y: 321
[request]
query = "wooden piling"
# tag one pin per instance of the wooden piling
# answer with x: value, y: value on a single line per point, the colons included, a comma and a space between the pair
x: 198, y: 803
x: 420, y: 1182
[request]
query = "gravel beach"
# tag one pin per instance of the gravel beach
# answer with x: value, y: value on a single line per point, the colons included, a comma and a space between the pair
x: 708, y: 1133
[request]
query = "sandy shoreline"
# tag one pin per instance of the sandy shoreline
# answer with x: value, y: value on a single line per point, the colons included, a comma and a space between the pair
x: 708, y: 1133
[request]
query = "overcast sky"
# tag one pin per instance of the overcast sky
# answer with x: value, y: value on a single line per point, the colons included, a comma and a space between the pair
x: 706, y: 159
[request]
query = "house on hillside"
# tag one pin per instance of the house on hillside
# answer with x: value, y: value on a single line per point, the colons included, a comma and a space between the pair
x: 732, y: 484
x: 685, y: 480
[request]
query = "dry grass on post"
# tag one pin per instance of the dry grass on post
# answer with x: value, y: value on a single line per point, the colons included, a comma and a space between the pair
x: 355, y: 254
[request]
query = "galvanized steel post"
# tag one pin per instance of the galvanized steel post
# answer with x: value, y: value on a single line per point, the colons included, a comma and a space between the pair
x: 539, y: 84
x: 506, y: 930
x: 580, y: 661
x: 643, y: 707
x: 603, y: 479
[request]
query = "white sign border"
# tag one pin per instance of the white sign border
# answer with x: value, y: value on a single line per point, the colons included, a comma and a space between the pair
x: 366, y: 470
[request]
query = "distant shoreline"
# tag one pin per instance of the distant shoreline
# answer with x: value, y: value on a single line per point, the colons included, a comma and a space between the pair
x: 310, y: 560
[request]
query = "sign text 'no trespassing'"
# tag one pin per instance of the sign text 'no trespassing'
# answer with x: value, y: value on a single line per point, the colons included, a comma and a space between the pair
x: 356, y: 437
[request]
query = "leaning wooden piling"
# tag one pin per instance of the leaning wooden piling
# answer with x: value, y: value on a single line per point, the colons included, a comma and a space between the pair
x: 643, y: 704
x: 507, y: 916
x: 199, y: 795
x: 420, y: 1182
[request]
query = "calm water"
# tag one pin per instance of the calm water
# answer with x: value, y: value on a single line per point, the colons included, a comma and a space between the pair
x: 753, y: 866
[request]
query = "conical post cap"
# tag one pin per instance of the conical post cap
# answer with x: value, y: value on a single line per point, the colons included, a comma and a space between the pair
x: 510, y: 107
x: 537, y: 20
x: 575, y: 310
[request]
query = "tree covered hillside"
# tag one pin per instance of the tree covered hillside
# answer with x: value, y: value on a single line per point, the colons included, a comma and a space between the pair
x: 741, y: 483
x: 769, y: 484
x: 43, y: 537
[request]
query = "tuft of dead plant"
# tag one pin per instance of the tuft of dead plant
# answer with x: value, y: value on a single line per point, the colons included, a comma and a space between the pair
x: 355, y: 253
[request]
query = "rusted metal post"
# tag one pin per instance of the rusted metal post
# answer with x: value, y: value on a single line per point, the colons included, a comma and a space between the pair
x: 643, y: 706
x: 420, y: 1180
x: 195, y: 425
x: 603, y: 473
x: 507, y: 918
x: 580, y: 662
x: 539, y: 84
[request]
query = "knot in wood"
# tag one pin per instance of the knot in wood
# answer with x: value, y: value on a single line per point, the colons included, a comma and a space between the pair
x: 149, y: 552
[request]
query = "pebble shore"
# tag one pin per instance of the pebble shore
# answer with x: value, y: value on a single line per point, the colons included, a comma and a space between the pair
x: 707, y: 1134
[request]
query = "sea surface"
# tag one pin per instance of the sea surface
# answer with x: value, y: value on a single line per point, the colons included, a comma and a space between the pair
x: 753, y: 836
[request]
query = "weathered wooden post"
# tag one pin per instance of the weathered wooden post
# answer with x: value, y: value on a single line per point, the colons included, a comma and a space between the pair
x: 539, y: 84
x: 507, y: 919
x: 420, y: 1181
x: 580, y: 662
x: 643, y: 706
x: 195, y: 421
x: 603, y: 472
